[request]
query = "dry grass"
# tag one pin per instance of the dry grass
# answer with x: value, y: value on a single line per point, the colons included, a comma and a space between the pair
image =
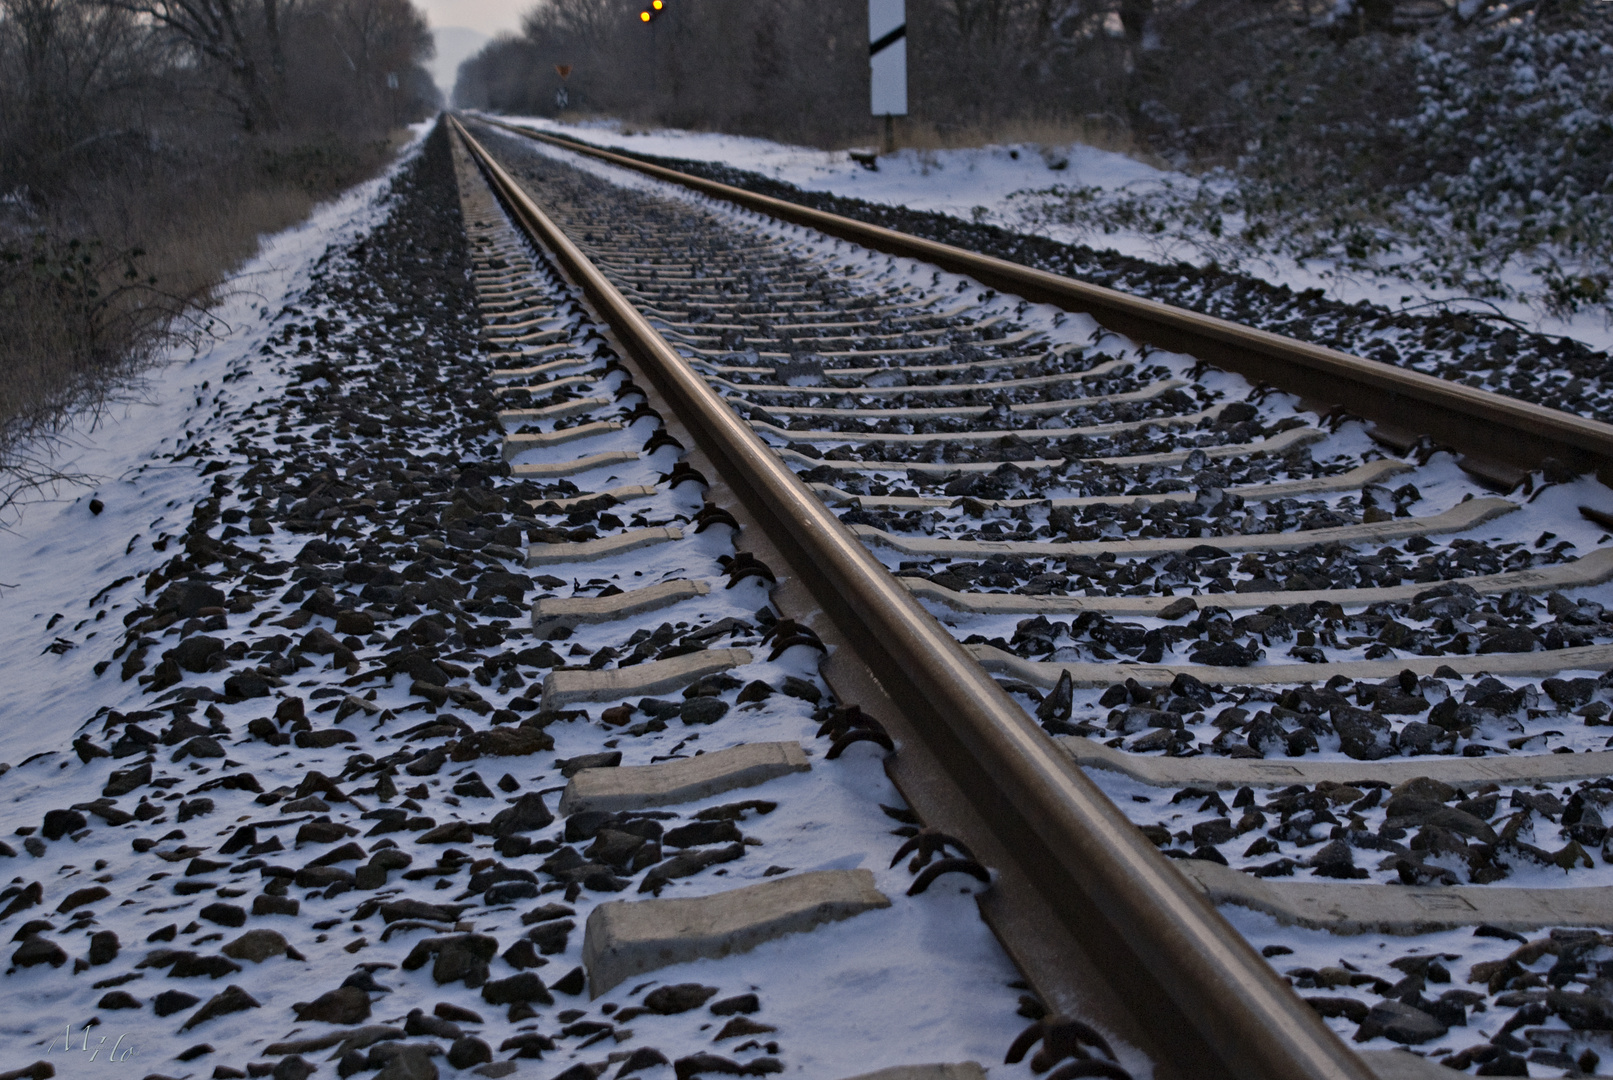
x: 205, y: 228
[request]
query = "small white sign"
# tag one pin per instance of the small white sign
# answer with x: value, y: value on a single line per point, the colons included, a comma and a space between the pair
x: 887, y: 57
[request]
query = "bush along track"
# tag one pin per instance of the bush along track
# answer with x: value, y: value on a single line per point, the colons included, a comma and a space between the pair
x: 1465, y: 347
x: 330, y: 838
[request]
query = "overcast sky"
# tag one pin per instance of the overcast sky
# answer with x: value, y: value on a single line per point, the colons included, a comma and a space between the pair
x: 463, y: 26
x: 487, y: 16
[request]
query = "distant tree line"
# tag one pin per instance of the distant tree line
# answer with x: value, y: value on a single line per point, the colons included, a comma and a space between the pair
x: 89, y: 87
x: 1200, y: 78
x: 144, y: 146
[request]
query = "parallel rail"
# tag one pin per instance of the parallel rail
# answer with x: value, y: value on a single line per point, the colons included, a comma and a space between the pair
x: 1498, y: 435
x: 1212, y: 1004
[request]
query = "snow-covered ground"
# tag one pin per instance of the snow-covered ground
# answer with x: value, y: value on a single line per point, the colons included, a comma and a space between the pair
x: 991, y: 184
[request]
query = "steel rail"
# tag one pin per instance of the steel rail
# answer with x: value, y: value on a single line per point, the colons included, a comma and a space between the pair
x: 1486, y: 426
x: 1111, y: 881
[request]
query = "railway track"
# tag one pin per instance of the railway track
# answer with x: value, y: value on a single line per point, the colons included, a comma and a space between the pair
x: 1319, y: 699
x: 589, y: 627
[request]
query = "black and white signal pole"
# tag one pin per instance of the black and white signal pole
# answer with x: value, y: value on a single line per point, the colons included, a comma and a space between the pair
x: 887, y: 63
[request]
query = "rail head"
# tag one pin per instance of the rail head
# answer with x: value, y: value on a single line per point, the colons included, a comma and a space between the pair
x: 1374, y: 390
x: 1250, y: 1018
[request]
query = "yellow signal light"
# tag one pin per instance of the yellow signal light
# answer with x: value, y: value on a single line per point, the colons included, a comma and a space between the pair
x: 644, y: 16
x: 658, y: 4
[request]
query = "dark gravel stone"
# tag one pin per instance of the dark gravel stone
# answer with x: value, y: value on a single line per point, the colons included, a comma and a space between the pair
x: 471, y: 786
x: 172, y: 1001
x: 506, y: 892
x: 1212, y: 832
x: 194, y: 808
x: 572, y: 982
x: 467, y: 1051
x: 522, y: 955
x: 224, y: 914
x: 103, y: 947
x: 532, y: 1044
x: 187, y: 598
x: 702, y: 710
x: 703, y: 1062
x: 190, y: 966
x: 702, y: 832
x: 118, y: 999
x: 1510, y: 641
x: 570, y: 767
x: 1363, y: 736
x: 394, y: 910
x: 741, y: 1003
x: 525, y: 987
x: 343, y: 1005
x: 527, y: 814
x: 457, y: 957
x: 457, y: 1013
x: 246, y: 684
x: 275, y: 905
x: 323, y: 832
x: 39, y: 950
x: 1569, y: 693
x: 1401, y: 1023
x: 1419, y: 738
x: 352, y: 853
x: 419, y: 1022
x: 320, y: 877
x: 687, y: 864
x: 410, y: 1061
x: 202, y: 746
x: 232, y: 999
x: 550, y: 937
x: 79, y: 897
x: 58, y: 823
x: 1351, y: 1008
x: 196, y: 653
x: 256, y: 945
x: 323, y: 739
x: 1226, y: 654
x: 645, y: 1057
x: 294, y: 1068
x: 678, y: 998
x: 1336, y: 860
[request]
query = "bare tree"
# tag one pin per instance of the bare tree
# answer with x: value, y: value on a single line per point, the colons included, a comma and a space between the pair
x: 69, y: 71
x: 237, y: 36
